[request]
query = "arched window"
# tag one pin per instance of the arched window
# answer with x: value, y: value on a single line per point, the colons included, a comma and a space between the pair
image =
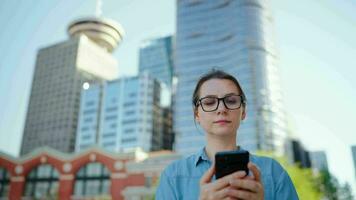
x: 4, y: 182
x: 42, y: 182
x: 92, y: 180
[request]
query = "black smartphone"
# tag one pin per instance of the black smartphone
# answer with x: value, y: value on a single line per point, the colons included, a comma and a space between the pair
x: 228, y: 162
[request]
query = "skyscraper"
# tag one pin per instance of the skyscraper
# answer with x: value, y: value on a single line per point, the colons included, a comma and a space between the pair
x: 297, y: 154
x: 60, y: 71
x: 237, y: 37
x: 122, y: 115
x: 156, y: 57
x: 353, y: 151
x: 319, y: 160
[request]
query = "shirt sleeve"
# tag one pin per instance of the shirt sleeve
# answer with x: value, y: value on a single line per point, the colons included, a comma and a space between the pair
x: 165, y: 189
x: 285, y: 188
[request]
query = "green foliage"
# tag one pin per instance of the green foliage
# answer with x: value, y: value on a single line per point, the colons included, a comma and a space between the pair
x: 345, y: 192
x: 328, y: 185
x: 305, y: 183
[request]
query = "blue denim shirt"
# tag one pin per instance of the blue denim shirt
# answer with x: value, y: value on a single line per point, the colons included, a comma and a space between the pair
x: 180, y: 180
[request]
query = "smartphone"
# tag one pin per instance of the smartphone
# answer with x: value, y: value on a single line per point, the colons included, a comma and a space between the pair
x: 228, y: 162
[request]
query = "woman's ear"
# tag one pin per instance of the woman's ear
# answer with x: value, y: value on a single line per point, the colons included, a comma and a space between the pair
x: 196, y: 115
x: 243, y: 115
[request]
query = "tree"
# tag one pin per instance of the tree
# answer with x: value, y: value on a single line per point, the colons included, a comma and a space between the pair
x: 304, y: 181
x: 328, y: 185
x: 345, y: 192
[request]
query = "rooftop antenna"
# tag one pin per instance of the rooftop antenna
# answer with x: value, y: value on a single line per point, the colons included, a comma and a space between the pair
x: 98, y: 10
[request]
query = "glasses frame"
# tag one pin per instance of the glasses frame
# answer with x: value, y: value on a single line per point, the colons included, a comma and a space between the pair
x: 220, y: 99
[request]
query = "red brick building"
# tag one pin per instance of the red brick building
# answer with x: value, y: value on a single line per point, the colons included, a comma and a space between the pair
x: 47, y: 173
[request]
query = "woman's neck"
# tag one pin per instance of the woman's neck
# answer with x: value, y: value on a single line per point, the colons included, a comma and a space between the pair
x: 214, y: 146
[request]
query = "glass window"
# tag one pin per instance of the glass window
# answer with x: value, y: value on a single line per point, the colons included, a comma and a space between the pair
x: 42, y: 182
x: 94, y: 169
x: 106, y: 186
x: 92, y: 180
x: 4, y: 182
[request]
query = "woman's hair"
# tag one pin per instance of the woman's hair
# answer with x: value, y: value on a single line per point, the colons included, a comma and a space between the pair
x: 216, y: 74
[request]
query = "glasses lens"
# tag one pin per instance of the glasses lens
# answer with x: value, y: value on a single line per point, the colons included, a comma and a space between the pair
x: 209, y: 103
x: 232, y: 102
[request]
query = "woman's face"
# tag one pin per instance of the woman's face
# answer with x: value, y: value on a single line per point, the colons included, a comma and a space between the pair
x: 221, y: 122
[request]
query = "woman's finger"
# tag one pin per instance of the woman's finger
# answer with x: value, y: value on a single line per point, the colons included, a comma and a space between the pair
x: 206, y: 178
x: 246, y: 184
x: 255, y: 171
x: 242, y: 194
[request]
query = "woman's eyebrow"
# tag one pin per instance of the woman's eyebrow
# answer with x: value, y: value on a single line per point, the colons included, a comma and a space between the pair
x: 211, y: 95
x: 232, y: 93
x: 228, y: 94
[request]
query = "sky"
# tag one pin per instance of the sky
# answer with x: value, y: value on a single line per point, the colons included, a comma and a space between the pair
x: 316, y: 44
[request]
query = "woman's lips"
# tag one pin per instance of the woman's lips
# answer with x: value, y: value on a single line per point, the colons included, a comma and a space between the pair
x: 221, y: 122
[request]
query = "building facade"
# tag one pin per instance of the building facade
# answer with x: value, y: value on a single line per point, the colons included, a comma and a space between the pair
x: 353, y: 151
x: 60, y: 71
x: 319, y: 160
x: 298, y: 154
x: 122, y: 115
x: 48, y: 174
x: 237, y: 37
x: 156, y: 57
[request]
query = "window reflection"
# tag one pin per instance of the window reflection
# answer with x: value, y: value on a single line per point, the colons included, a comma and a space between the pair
x: 92, y: 180
x: 42, y: 182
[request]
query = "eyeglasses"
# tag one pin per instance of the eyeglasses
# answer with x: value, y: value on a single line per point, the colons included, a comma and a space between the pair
x: 210, y: 104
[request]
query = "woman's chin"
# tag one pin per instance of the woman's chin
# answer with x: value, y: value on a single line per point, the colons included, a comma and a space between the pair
x: 224, y: 132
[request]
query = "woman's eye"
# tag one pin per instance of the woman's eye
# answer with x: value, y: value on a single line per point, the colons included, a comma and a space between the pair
x: 231, y: 100
x: 209, y: 102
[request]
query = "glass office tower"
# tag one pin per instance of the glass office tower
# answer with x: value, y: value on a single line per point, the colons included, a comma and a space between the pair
x: 122, y: 115
x: 319, y: 160
x: 156, y: 57
x: 353, y: 151
x: 237, y: 37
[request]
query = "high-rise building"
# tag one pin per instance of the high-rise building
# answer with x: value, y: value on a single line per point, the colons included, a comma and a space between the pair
x: 168, y: 134
x: 89, y: 116
x: 156, y: 57
x: 353, y: 151
x: 297, y: 154
x: 61, y: 69
x: 237, y: 37
x: 319, y: 160
x: 122, y: 115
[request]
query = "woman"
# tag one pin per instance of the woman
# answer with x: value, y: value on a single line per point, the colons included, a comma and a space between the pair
x: 219, y: 105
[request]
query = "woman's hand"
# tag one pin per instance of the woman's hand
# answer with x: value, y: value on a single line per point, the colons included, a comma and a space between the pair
x: 234, y: 186
x: 248, y: 187
x: 219, y: 189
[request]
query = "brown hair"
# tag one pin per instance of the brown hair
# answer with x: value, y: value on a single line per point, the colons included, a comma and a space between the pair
x: 216, y: 74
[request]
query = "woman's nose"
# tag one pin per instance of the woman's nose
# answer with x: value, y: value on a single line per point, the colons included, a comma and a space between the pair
x: 221, y: 106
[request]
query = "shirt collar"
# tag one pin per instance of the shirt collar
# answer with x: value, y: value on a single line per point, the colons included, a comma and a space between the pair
x: 201, y: 155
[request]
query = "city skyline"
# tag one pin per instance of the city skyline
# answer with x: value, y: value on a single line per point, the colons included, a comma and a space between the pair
x: 310, y: 40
